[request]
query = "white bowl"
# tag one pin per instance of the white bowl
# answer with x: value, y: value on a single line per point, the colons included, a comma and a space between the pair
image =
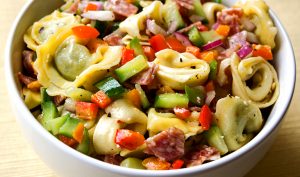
x: 68, y: 162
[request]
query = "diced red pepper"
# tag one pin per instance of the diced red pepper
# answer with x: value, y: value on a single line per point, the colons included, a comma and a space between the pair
x: 78, y: 132
x: 101, y: 99
x: 155, y: 163
x: 129, y: 139
x: 193, y: 50
x: 90, y: 7
x: 85, y: 32
x: 149, y: 52
x: 177, y: 164
x: 68, y: 141
x: 182, y: 113
x: 210, y: 86
x: 175, y: 44
x: 127, y: 55
x: 86, y: 110
x: 158, y: 42
x: 205, y: 118
x: 264, y: 51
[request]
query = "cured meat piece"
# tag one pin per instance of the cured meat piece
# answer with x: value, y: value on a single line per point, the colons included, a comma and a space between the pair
x: 146, y: 77
x: 114, y: 38
x: 187, y: 4
x: 28, y: 59
x: 231, y: 17
x: 121, y: 7
x: 25, y: 79
x: 113, y: 159
x: 167, y: 145
x: 59, y: 100
x: 204, y: 153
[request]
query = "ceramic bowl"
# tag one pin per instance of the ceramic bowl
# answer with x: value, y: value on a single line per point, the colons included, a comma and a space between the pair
x: 65, y: 161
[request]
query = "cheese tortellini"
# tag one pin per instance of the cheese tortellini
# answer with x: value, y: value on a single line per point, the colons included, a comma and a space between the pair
x: 158, y: 122
x: 57, y: 57
x: 259, y: 13
x: 210, y: 9
x: 41, y: 30
x: 179, y: 69
x: 238, y: 120
x: 122, y: 114
x: 264, y: 87
x: 134, y: 24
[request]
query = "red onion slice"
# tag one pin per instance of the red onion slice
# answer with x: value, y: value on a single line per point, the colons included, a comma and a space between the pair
x: 210, y: 96
x: 213, y: 44
x: 155, y: 28
x: 183, y: 39
x: 244, y: 51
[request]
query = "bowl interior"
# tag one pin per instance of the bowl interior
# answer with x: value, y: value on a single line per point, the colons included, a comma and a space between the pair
x: 284, y: 64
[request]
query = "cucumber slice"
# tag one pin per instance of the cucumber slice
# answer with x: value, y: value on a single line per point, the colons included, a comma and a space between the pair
x: 196, y: 95
x: 136, y: 46
x: 209, y: 36
x: 144, y: 99
x: 171, y: 15
x: 132, y: 162
x: 131, y: 68
x: 198, y: 10
x: 111, y: 87
x: 195, y: 37
x: 171, y: 100
x: 213, y: 70
x: 68, y: 127
x: 56, y: 123
x: 216, y: 139
x: 49, y: 112
x: 84, y: 146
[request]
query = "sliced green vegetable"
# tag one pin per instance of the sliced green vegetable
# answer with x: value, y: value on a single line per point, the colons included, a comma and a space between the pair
x: 132, y: 162
x: 49, y: 112
x: 218, y: 1
x: 136, y: 46
x: 79, y: 94
x: 56, y: 123
x: 171, y: 15
x: 131, y: 68
x: 68, y: 127
x: 144, y: 99
x: 196, y: 95
x: 44, y: 95
x: 195, y: 37
x: 111, y: 87
x: 213, y: 70
x: 171, y: 100
x: 215, y: 138
x: 84, y: 146
x: 209, y: 36
x: 198, y: 10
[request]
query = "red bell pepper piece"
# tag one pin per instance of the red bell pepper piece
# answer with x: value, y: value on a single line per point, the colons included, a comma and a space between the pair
x: 205, y: 117
x: 86, y: 110
x: 101, y: 99
x: 175, y: 44
x: 193, y: 50
x: 90, y: 7
x: 177, y: 164
x: 85, y: 32
x: 158, y: 42
x: 129, y: 139
x: 264, y: 51
x: 68, y: 141
x: 182, y: 113
x: 149, y: 52
x: 127, y: 55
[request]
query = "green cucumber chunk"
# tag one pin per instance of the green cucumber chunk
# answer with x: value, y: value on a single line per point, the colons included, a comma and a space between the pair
x: 131, y: 68
x: 84, y: 146
x: 132, y: 162
x: 79, y: 94
x: 144, y: 99
x: 213, y: 70
x: 49, y: 112
x: 171, y: 15
x: 44, y: 95
x: 111, y: 87
x: 68, y: 127
x: 198, y: 10
x: 171, y: 100
x: 195, y: 37
x: 216, y: 139
x: 136, y: 46
x: 196, y: 95
x: 210, y: 36
x: 56, y: 123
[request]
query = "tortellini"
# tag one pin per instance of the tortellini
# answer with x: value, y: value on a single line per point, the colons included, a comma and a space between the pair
x: 258, y: 11
x: 122, y: 115
x: 238, y: 120
x: 210, y: 9
x: 179, y: 69
x: 158, y: 122
x: 264, y: 87
x: 62, y: 49
x: 134, y: 24
x: 40, y: 31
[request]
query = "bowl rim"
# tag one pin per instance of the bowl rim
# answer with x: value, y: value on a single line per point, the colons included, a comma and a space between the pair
x: 250, y: 146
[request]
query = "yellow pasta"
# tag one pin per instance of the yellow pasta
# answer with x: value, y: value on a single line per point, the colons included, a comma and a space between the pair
x: 211, y: 9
